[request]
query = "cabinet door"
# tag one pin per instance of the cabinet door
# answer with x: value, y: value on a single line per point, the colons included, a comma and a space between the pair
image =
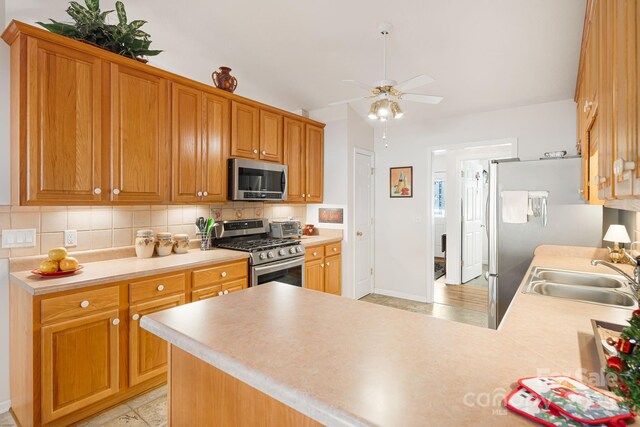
x: 294, y: 158
x: 63, y: 139
x: 79, y: 363
x: 215, y: 140
x: 186, y: 128
x: 605, y: 98
x: 314, y: 275
x: 314, y: 163
x: 593, y: 135
x: 139, y: 146
x: 271, y: 139
x: 634, y: 89
x: 333, y: 275
x: 245, y: 131
x: 147, y: 352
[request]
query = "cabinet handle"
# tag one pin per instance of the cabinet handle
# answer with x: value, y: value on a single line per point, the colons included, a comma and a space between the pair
x: 220, y: 294
x: 115, y: 322
x: 160, y: 288
x: 255, y: 151
x: 199, y: 194
x: 335, y: 249
x: 223, y: 274
x: 328, y: 264
x: 97, y: 190
x: 226, y: 292
x: 116, y: 191
x: 84, y: 304
x: 264, y: 152
x: 205, y: 194
x: 135, y: 316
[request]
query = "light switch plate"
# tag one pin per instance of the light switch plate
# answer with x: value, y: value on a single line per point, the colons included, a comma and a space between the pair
x: 24, y: 238
x: 70, y: 238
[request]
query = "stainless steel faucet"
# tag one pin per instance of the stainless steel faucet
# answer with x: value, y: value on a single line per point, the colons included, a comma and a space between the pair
x: 634, y: 282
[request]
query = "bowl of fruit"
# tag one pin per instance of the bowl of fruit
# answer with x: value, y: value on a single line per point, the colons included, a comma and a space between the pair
x: 58, y: 264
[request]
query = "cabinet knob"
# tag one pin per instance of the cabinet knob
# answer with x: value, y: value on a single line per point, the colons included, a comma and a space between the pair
x: 116, y: 191
x: 84, y: 304
x: 321, y: 265
x: 205, y: 194
x: 315, y: 253
x: 226, y: 292
x: 335, y: 249
x: 220, y: 294
x: 255, y: 151
x: 199, y: 194
x: 328, y: 264
x: 160, y: 288
x: 587, y: 106
x: 115, y: 322
x: 304, y: 195
x: 359, y: 233
x: 135, y: 316
x: 620, y: 166
x: 264, y: 152
x: 97, y: 190
x: 308, y: 195
x: 223, y: 274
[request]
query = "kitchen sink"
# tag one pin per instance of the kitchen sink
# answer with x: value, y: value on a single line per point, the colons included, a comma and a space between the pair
x: 581, y: 286
x: 578, y: 278
x: 584, y: 293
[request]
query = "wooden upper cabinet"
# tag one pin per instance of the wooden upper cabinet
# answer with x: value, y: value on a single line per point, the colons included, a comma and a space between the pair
x: 245, y: 131
x: 186, y: 131
x: 271, y: 136
x: 314, y: 150
x: 215, y: 140
x: 294, y: 158
x: 61, y: 157
x: 139, y: 144
x: 80, y: 360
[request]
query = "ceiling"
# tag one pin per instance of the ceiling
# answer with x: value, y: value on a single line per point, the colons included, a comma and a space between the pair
x: 483, y: 54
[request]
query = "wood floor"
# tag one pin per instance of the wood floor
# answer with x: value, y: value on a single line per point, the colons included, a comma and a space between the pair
x: 463, y: 296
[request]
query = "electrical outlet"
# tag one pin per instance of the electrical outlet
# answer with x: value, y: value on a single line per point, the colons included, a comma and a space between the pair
x: 70, y: 238
x: 25, y: 238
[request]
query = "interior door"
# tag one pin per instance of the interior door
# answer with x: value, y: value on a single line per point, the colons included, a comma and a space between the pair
x: 363, y: 222
x: 472, y: 205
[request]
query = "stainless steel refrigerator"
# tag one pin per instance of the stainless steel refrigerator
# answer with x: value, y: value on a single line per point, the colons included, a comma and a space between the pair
x: 569, y: 221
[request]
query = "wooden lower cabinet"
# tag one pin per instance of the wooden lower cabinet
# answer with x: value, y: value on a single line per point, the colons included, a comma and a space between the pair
x: 79, y: 363
x: 323, y: 268
x: 147, y: 352
x: 77, y: 353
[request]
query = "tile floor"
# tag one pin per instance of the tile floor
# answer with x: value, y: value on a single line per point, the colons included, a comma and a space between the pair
x: 147, y: 410
x: 441, y: 311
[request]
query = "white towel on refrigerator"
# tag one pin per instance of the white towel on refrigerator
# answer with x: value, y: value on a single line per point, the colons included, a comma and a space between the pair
x: 514, y: 206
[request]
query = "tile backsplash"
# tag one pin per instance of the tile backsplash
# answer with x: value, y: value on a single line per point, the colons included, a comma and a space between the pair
x: 101, y: 227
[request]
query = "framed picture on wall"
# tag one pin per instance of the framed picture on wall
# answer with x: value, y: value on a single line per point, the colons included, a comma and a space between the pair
x: 401, y: 181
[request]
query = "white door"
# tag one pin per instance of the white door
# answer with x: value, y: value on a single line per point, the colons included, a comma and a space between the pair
x: 363, y: 223
x: 472, y: 205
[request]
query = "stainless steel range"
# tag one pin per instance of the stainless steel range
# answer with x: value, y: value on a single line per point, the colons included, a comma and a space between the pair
x: 271, y: 259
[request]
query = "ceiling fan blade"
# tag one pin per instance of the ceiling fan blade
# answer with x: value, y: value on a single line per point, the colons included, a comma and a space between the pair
x: 347, y: 101
x: 414, y: 83
x: 359, y: 84
x: 425, y: 99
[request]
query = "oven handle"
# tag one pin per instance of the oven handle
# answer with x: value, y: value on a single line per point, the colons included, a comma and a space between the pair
x: 270, y: 268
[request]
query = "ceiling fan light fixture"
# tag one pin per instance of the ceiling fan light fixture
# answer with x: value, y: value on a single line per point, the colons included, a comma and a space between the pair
x: 383, y: 108
x: 396, y: 111
x: 373, y: 111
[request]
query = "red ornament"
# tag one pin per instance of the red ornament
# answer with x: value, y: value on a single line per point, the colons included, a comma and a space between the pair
x: 636, y: 312
x: 615, y: 363
x: 626, y: 346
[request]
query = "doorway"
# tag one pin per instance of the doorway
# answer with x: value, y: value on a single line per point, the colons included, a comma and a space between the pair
x: 363, y: 222
x: 459, y: 241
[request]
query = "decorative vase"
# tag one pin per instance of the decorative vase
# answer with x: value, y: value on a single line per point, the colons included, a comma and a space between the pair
x: 223, y: 80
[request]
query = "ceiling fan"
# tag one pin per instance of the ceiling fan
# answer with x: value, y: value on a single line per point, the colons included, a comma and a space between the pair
x: 386, y: 93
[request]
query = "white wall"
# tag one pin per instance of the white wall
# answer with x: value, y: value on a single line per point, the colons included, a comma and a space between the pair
x: 402, y: 242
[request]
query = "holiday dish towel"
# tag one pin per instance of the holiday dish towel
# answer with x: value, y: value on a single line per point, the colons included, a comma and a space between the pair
x: 565, y: 401
x: 515, y: 205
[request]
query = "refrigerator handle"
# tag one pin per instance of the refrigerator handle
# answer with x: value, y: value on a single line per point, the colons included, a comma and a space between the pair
x: 492, y: 234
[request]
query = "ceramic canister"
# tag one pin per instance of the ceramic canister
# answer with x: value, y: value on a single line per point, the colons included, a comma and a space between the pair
x: 181, y: 243
x: 164, y: 244
x: 145, y: 243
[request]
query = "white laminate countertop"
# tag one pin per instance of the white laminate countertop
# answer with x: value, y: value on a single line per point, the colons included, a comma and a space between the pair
x: 352, y: 363
x: 114, y: 270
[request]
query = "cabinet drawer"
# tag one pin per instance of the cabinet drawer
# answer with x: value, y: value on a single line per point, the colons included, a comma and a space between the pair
x: 205, y: 293
x: 235, y: 286
x: 158, y: 287
x: 333, y: 249
x: 316, y: 252
x: 219, y: 274
x: 79, y: 304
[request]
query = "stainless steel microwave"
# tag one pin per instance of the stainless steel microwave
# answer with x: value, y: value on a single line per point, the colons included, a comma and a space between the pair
x: 254, y: 180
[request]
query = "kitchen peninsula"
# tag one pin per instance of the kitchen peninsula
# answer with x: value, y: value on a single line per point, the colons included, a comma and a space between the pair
x: 366, y: 364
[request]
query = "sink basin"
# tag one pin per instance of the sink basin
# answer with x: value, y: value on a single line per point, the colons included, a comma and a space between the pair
x: 583, y: 293
x: 578, y: 278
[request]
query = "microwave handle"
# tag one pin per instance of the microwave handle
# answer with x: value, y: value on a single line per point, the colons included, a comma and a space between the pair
x: 283, y: 182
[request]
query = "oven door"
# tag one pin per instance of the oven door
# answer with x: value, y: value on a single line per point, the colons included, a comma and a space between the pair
x: 290, y: 271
